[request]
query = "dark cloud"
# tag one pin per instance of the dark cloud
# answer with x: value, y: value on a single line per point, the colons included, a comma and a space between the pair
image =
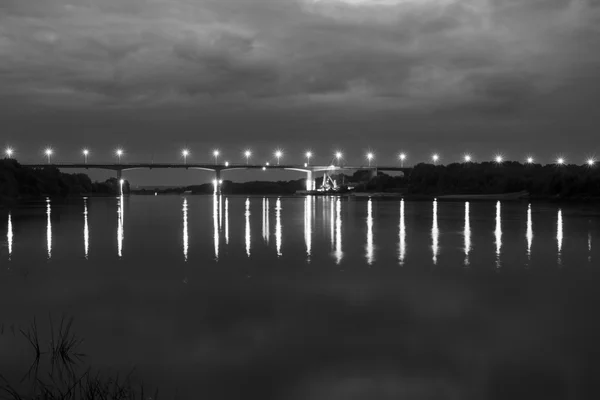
x: 460, y: 59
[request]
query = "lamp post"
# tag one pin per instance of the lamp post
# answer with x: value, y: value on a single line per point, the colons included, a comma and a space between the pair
x: 48, y: 153
x: 467, y: 158
x: 9, y: 152
x: 591, y: 162
x: 248, y: 154
x: 370, y: 157
x: 499, y: 159
x: 216, y: 155
x: 308, y: 157
x: 185, y: 153
x: 560, y: 161
x: 278, y: 155
x: 85, y: 152
x: 530, y: 160
x: 435, y: 158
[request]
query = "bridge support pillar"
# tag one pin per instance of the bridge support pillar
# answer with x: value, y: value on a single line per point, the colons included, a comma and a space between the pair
x: 119, y: 175
x: 218, y: 182
x: 310, y: 182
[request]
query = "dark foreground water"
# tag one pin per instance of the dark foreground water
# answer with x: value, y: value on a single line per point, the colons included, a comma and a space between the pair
x: 313, y: 298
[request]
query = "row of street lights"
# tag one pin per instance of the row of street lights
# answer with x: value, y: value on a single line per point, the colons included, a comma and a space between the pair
x: 467, y: 158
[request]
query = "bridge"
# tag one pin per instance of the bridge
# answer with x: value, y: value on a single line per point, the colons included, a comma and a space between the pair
x: 310, y: 170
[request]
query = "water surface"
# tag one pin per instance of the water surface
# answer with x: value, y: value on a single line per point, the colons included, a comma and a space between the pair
x: 293, y: 297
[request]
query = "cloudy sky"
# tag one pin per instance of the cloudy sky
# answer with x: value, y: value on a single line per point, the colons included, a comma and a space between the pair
x: 153, y: 76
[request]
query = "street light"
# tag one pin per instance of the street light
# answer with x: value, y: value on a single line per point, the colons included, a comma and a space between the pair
x: 119, y: 154
x: 86, y: 153
x: 278, y: 155
x: 185, y: 153
x: 338, y: 156
x: 9, y: 152
x: 560, y: 161
x: 468, y: 158
x: 370, y: 157
x: 247, y: 153
x: 402, y: 157
x: 216, y: 155
x: 530, y: 160
x: 435, y: 158
x: 48, y: 153
x: 499, y: 159
x: 591, y: 162
x: 308, y: 157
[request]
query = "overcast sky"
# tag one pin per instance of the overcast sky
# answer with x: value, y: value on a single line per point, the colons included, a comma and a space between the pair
x: 154, y: 76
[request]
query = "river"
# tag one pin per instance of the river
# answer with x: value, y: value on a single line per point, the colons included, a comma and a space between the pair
x: 294, y: 297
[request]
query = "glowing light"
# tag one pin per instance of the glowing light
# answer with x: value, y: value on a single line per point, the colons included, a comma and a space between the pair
x: 247, y: 231
x: 9, y: 235
x: 264, y: 168
x: 498, y: 232
x: 591, y: 162
x: 220, y: 181
x: 435, y: 233
x: 309, y: 155
x: 85, y: 152
x: 499, y: 159
x: 529, y: 233
x: 402, y: 235
x: 369, y: 247
x: 370, y: 157
x: 559, y: 234
x: 216, y: 154
x: 49, y: 153
x: 49, y: 228
x: 467, y: 232
x: 338, y: 231
x: 402, y: 158
x: 185, y: 153
x: 9, y: 152
x: 278, y: 155
x: 227, y: 163
x: 185, y: 229
x: 247, y: 154
x: 560, y: 161
x: 435, y: 158
x: 307, y: 224
x: 467, y: 158
x: 121, y: 182
x: 86, y: 229
x: 278, y: 226
x: 530, y: 160
x: 215, y: 186
x: 338, y: 155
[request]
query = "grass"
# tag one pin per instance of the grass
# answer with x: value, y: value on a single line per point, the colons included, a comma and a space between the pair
x: 58, y: 371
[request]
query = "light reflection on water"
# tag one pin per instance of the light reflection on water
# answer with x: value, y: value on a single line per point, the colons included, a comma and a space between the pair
x: 247, y: 227
x: 559, y: 235
x: 467, y: 232
x: 498, y: 232
x: 435, y: 233
x: 86, y: 229
x: 529, y: 232
x: 402, y: 235
x: 338, y: 231
x: 308, y: 211
x: 120, y: 226
x: 337, y: 227
x: 369, y: 246
x: 278, y: 228
x: 9, y: 235
x: 49, y: 228
x: 216, y: 236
